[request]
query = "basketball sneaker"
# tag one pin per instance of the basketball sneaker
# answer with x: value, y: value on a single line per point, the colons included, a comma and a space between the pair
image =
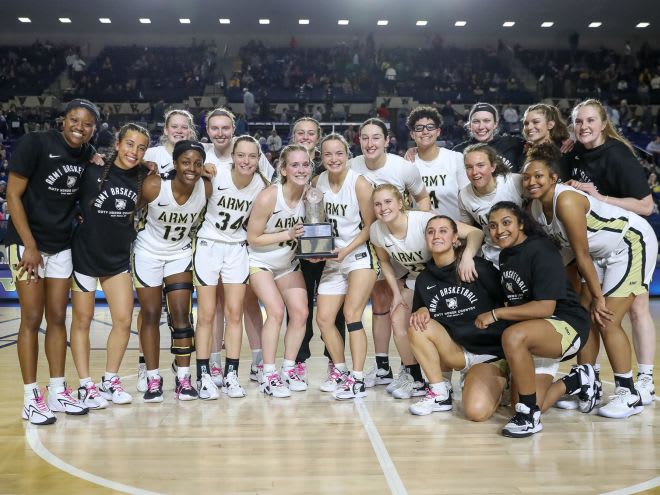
x: 90, y: 397
x: 434, y: 401
x: 524, y: 423
x: 216, y: 374
x: 622, y: 404
x: 409, y: 388
x: 36, y: 411
x: 113, y: 390
x: 294, y: 378
x: 154, y: 391
x: 207, y: 388
x: 398, y: 381
x: 232, y: 387
x: 141, y: 384
x: 350, y: 389
x: 588, y: 394
x: 377, y: 376
x: 645, y: 387
x: 184, y: 389
x: 64, y: 402
x: 334, y: 380
x: 256, y: 372
x: 273, y: 385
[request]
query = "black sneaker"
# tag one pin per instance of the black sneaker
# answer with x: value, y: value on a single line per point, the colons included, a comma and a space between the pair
x: 524, y: 423
x: 588, y: 394
x: 154, y: 391
x: 184, y: 389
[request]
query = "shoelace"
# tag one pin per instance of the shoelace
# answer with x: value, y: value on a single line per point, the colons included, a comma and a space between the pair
x: 40, y: 401
x: 92, y: 391
x: 301, y: 369
x: 619, y: 395
x: 274, y: 380
x: 293, y: 373
x: 153, y: 384
x: 67, y: 394
x: 348, y: 382
x: 184, y: 384
x: 115, y: 383
x: 519, y: 419
x: 215, y: 371
x: 334, y: 375
x: 430, y: 394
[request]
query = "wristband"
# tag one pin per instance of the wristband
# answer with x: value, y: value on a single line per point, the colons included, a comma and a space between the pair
x: 492, y: 312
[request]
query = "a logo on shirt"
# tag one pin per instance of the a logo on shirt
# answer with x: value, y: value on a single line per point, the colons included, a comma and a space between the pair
x: 514, y: 286
x: 50, y: 155
x: 434, y: 180
x: 71, y: 181
x: 452, y: 303
x: 120, y: 204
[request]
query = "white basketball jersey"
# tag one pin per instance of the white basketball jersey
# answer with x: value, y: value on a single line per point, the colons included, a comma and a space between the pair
x: 411, y: 251
x: 396, y: 171
x: 228, y: 208
x: 474, y: 209
x: 283, y: 218
x: 342, y: 209
x: 161, y: 157
x: 606, y: 224
x: 444, y: 177
x: 264, y: 166
x: 166, y: 231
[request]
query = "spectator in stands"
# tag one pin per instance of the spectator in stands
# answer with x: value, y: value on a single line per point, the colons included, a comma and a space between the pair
x: 383, y: 112
x: 317, y: 115
x: 249, y: 103
x: 274, y: 142
x: 241, y: 125
x: 105, y: 140
x: 654, y: 149
x: 3, y: 190
x: 511, y: 118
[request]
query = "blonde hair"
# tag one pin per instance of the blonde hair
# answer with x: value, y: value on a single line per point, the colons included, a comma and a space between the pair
x: 335, y: 137
x: 246, y: 138
x: 609, y: 130
x: 221, y: 112
x: 184, y: 113
x: 284, y: 156
x: 395, y: 192
x: 319, y: 131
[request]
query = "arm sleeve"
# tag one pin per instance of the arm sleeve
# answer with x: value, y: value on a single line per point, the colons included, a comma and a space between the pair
x: 25, y: 158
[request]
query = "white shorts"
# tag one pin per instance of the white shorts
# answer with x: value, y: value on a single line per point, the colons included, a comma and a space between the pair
x: 213, y: 260
x: 149, y: 271
x: 87, y: 283
x: 278, y: 265
x: 57, y: 265
x: 629, y: 269
x: 334, y: 280
x: 472, y: 359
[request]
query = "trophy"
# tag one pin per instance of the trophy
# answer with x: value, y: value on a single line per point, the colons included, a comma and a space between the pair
x: 317, y: 240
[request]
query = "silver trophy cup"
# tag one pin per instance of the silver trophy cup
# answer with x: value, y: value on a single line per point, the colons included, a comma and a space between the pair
x: 317, y: 241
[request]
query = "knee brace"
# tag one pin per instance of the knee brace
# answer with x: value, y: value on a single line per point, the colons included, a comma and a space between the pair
x: 187, y: 332
x: 355, y: 326
x: 380, y: 314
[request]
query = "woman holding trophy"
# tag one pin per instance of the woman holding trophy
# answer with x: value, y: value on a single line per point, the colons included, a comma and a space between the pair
x: 349, y: 278
x: 272, y: 234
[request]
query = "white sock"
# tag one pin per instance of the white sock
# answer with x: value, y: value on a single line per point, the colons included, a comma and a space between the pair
x: 85, y: 381
x: 108, y: 375
x: 152, y: 374
x: 646, y: 369
x: 597, y: 367
x: 437, y: 388
x: 287, y: 364
x: 182, y: 371
x: 358, y: 375
x: 28, y: 390
x: 446, y: 375
x: 341, y: 367
x: 215, y: 358
x: 257, y: 356
x: 269, y: 369
x: 56, y: 384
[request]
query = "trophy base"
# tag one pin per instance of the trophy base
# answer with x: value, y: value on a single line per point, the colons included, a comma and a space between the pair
x: 303, y: 256
x: 320, y: 244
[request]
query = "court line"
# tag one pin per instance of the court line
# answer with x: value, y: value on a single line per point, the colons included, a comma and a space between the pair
x: 387, y: 466
x: 35, y: 444
x: 647, y: 485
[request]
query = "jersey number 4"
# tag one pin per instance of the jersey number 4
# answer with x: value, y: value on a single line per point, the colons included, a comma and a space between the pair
x: 225, y: 222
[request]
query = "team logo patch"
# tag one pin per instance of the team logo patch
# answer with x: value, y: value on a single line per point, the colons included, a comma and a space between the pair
x: 203, y: 243
x: 120, y: 204
x: 452, y: 303
x: 509, y: 287
x: 71, y: 180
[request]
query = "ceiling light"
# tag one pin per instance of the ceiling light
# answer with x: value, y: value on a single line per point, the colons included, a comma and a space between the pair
x: 509, y: 24
x: 65, y: 20
x: 303, y: 21
x: 104, y: 20
x: 24, y: 19
x: 383, y: 22
x: 547, y: 24
x: 343, y: 22
x: 264, y: 21
x: 184, y: 21
x: 643, y: 25
x: 595, y: 24
x: 421, y: 23
x: 460, y: 23
x: 144, y: 20
x: 224, y: 21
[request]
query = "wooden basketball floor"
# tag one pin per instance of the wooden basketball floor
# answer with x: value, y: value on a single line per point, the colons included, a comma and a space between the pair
x: 308, y: 443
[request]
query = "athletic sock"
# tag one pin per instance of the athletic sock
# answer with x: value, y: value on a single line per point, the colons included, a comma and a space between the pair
x: 287, y: 364
x: 528, y: 400
x: 437, y: 388
x: 231, y: 365
x: 28, y: 390
x: 56, y: 384
x: 108, y: 375
x: 141, y: 359
x: 645, y: 369
x: 446, y: 376
x: 257, y: 356
x: 341, y: 367
x: 358, y: 375
x: 572, y: 383
x: 625, y: 380
x: 215, y: 357
x: 203, y: 367
x: 153, y: 374
x: 383, y: 361
x: 416, y: 371
x: 269, y: 369
x: 85, y: 381
x: 182, y: 371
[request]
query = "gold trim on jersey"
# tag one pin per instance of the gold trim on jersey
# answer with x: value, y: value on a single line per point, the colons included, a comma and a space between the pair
x: 632, y: 282
x: 596, y: 223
